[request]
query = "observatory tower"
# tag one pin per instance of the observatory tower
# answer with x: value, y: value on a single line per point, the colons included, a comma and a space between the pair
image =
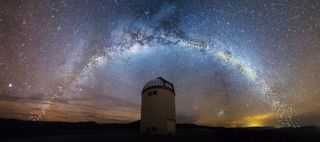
x: 158, y: 107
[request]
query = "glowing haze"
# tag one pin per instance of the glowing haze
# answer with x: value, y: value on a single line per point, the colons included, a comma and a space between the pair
x: 233, y: 64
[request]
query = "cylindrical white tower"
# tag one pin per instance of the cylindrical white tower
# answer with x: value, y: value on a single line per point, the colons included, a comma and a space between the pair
x: 158, y: 114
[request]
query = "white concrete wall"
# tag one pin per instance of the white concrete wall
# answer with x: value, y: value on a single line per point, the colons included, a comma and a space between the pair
x: 158, y: 111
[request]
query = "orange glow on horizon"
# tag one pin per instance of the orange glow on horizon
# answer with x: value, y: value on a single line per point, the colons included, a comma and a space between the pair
x: 255, y: 124
x: 257, y: 120
x: 249, y: 121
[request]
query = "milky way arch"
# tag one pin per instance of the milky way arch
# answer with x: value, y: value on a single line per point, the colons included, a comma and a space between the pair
x: 135, y: 39
x: 135, y: 34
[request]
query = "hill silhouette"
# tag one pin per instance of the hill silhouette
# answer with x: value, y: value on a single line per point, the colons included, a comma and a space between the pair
x: 18, y: 130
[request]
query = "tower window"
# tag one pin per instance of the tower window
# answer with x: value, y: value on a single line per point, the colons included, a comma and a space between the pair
x: 153, y: 93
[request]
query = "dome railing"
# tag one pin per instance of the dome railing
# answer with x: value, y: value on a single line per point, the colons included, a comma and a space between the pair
x: 158, y: 83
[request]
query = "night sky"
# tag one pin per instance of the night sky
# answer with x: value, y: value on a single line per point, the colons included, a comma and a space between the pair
x: 233, y: 63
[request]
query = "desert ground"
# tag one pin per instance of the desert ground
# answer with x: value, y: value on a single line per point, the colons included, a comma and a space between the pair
x: 31, y: 131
